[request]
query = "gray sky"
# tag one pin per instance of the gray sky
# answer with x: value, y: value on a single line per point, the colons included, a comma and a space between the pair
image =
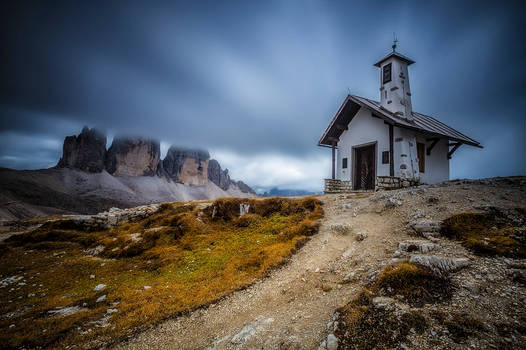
x: 256, y: 82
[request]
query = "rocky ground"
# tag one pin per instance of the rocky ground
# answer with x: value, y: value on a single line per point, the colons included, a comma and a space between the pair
x: 295, y: 306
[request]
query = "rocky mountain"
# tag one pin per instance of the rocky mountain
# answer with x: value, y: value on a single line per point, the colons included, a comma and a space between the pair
x: 137, y: 156
x: 133, y: 157
x: 89, y: 179
x: 187, y: 166
x: 85, y: 151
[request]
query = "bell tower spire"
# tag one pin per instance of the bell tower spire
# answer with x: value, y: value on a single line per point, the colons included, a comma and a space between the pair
x: 395, y: 92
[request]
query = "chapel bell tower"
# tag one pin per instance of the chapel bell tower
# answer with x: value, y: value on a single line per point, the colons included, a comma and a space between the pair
x: 395, y: 93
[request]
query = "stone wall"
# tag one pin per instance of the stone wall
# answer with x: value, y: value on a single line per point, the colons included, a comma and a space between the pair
x: 382, y: 183
x: 337, y: 186
x: 392, y: 182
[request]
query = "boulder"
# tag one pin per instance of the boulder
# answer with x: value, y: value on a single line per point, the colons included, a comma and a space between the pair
x: 440, y: 266
x: 85, y: 151
x: 332, y: 342
x: 187, y: 166
x: 426, y: 228
x: 360, y: 236
x: 417, y: 246
x: 133, y: 157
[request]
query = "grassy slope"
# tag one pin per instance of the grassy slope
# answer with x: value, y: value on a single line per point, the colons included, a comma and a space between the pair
x: 187, y: 255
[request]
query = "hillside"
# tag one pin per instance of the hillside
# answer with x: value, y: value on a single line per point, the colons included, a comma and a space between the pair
x: 437, y: 266
x: 94, y: 279
x: 296, y: 306
x: 30, y: 193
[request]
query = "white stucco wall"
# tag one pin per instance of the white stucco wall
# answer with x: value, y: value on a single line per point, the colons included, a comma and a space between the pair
x: 437, y: 164
x: 363, y: 129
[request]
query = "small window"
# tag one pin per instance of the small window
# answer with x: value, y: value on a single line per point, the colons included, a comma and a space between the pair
x: 386, y: 74
x: 421, y: 152
x: 385, y: 157
x: 344, y: 163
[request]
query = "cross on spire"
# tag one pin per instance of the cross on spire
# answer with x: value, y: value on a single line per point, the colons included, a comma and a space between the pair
x: 395, y: 40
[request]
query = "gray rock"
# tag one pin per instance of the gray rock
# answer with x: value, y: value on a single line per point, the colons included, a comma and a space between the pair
x: 439, y: 265
x: 332, y: 342
x: 392, y: 203
x: 383, y: 302
x: 101, y: 299
x: 360, y: 236
x: 425, y: 226
x: 85, y: 151
x: 66, y: 311
x: 98, y: 287
x: 341, y: 229
x: 250, y: 330
x: 417, y: 246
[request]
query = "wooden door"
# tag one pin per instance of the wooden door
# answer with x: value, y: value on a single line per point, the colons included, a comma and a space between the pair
x: 364, y: 170
x: 421, y: 152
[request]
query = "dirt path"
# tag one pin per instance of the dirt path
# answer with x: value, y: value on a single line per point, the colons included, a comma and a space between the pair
x: 290, y: 308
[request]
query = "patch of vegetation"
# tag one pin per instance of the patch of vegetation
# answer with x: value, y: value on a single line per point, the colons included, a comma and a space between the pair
x: 460, y: 325
x: 416, y: 283
x: 179, y: 258
x: 367, y: 325
x: 489, y: 234
x: 370, y: 327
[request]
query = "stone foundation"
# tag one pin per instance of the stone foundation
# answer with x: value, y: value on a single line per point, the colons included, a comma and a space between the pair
x: 392, y: 182
x: 337, y: 186
x: 382, y: 183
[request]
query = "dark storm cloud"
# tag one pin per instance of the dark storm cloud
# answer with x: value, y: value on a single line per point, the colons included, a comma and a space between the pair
x: 260, y: 80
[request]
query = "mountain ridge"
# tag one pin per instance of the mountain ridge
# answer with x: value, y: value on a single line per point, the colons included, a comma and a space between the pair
x: 89, y: 178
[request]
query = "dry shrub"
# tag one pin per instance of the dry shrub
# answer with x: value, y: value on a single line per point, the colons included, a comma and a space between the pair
x: 488, y: 233
x: 227, y: 209
x: 184, y: 223
x: 416, y: 283
x: 42, y: 234
x: 246, y: 220
x: 366, y: 327
x: 304, y: 228
x: 461, y: 326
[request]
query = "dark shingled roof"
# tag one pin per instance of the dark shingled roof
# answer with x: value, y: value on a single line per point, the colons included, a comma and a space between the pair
x: 395, y: 54
x: 421, y: 122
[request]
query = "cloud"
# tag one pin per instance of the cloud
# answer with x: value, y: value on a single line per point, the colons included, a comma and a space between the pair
x: 256, y: 80
x: 269, y: 170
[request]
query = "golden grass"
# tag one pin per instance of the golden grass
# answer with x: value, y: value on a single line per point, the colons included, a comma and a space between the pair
x: 487, y: 233
x: 185, y: 256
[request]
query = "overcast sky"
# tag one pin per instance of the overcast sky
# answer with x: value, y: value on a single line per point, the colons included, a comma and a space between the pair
x: 256, y: 82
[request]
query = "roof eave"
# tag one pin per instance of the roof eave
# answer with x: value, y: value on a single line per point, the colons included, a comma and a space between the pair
x: 395, y: 54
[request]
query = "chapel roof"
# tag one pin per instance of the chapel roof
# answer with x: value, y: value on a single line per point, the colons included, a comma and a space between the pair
x: 421, y: 122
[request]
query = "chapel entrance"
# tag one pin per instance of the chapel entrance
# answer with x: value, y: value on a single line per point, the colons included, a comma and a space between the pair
x: 364, y: 168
